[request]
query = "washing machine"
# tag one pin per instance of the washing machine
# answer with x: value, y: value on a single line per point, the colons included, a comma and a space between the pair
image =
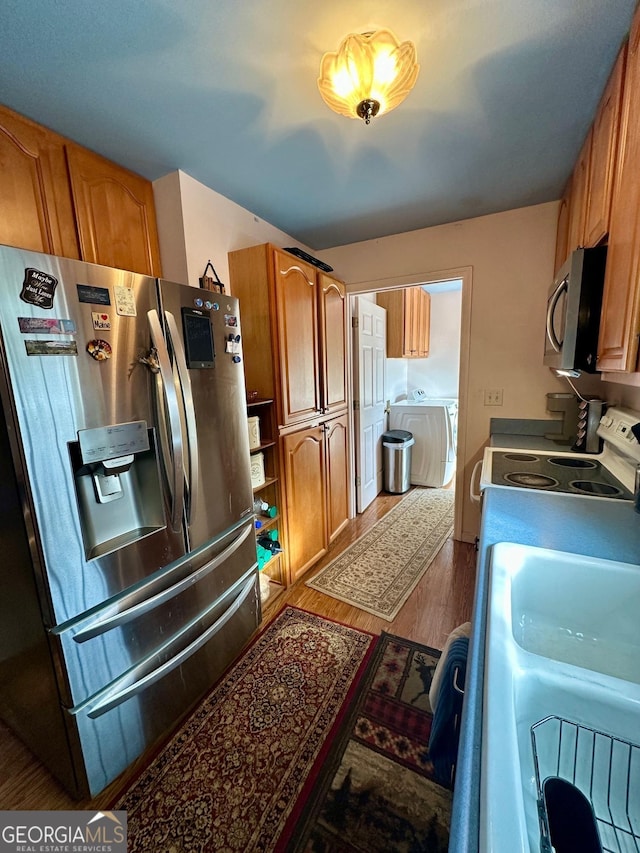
x: 433, y: 422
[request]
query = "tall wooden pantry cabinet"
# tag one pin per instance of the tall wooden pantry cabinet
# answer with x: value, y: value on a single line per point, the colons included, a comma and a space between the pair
x: 294, y: 343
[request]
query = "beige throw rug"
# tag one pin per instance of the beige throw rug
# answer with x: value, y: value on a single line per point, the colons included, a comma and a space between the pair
x: 379, y: 571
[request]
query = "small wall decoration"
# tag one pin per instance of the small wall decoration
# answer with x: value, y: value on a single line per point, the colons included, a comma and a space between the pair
x: 209, y: 283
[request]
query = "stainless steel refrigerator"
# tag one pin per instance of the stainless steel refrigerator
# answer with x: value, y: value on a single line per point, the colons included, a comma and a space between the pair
x: 128, y: 578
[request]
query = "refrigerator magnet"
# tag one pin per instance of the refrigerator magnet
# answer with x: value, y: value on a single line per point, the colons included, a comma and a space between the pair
x: 99, y: 349
x: 93, y: 295
x: 51, y: 347
x: 46, y: 325
x: 125, y: 301
x: 101, y: 322
x: 38, y: 288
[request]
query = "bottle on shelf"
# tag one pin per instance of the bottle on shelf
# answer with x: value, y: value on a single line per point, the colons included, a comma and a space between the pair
x: 261, y: 507
x: 269, y: 542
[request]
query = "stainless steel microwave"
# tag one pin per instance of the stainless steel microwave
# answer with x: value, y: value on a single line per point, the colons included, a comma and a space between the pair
x: 573, y: 312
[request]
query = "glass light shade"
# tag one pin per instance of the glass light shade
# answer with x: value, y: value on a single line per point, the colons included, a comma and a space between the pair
x: 369, y: 74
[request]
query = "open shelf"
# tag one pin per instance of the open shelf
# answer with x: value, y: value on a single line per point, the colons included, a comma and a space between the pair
x: 267, y: 523
x: 269, y: 481
x: 262, y: 446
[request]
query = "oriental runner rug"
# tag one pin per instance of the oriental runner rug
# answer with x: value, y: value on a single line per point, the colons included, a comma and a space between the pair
x: 380, y: 571
x: 229, y: 778
x: 377, y: 792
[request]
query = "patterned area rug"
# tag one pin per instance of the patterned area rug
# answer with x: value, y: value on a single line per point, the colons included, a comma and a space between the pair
x: 380, y: 571
x: 228, y: 780
x: 377, y: 792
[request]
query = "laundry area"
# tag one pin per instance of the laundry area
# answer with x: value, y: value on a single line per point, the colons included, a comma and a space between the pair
x: 418, y: 433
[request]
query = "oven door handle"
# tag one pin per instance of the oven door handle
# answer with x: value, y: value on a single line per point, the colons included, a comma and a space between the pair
x: 475, y: 498
x: 551, y: 307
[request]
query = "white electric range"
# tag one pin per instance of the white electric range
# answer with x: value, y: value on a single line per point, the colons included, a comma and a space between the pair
x: 609, y: 474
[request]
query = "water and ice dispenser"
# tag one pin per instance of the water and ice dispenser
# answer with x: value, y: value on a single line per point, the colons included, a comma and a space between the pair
x: 117, y: 480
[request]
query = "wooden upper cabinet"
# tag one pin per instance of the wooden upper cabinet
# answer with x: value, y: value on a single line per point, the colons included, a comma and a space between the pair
x: 297, y: 311
x: 604, y: 149
x: 620, y: 322
x: 579, y: 189
x: 562, y: 234
x: 424, y: 322
x: 36, y: 212
x: 333, y: 343
x: 408, y: 322
x: 115, y: 213
x: 62, y: 199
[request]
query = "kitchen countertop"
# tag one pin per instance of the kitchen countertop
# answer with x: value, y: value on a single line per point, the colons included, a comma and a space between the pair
x: 595, y: 527
x: 527, y: 434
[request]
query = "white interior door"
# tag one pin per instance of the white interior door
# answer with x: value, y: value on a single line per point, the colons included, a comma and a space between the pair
x: 370, y: 352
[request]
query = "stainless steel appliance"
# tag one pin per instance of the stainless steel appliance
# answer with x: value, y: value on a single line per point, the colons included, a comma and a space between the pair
x: 129, y: 578
x: 610, y: 474
x: 573, y: 312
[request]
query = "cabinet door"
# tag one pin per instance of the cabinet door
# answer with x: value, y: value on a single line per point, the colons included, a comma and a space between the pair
x: 604, y: 149
x: 333, y: 344
x: 579, y: 185
x: 562, y: 234
x: 297, y: 311
x: 36, y: 212
x: 115, y: 213
x: 620, y: 322
x: 305, y: 498
x: 337, y: 453
x: 411, y: 322
x: 393, y: 303
x: 424, y: 322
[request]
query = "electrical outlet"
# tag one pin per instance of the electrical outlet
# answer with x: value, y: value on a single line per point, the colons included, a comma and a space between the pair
x: 493, y: 396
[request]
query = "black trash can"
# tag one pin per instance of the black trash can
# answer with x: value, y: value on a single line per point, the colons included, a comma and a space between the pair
x: 396, y: 460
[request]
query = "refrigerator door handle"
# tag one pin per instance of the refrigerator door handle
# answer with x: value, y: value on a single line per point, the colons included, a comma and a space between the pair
x: 171, y: 398
x: 131, y: 607
x: 189, y: 411
x: 123, y: 688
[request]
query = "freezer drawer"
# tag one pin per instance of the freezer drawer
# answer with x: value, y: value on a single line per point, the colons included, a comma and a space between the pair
x: 112, y: 728
x: 98, y: 647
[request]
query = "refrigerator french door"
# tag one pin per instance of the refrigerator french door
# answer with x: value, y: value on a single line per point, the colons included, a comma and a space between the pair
x: 130, y: 579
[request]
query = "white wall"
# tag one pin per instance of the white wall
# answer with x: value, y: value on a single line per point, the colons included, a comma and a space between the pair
x: 396, y: 372
x: 511, y: 255
x: 438, y: 374
x: 197, y: 224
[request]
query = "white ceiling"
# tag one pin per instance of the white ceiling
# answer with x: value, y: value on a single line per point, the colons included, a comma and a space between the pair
x: 226, y: 91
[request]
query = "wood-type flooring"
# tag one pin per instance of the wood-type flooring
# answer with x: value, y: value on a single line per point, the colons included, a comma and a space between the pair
x: 441, y: 601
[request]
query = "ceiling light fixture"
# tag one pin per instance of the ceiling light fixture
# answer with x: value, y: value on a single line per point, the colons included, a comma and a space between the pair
x: 369, y: 74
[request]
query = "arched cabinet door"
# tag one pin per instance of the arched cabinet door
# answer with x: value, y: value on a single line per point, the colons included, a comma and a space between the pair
x: 36, y: 211
x: 305, y: 497
x: 333, y: 344
x: 115, y: 213
x: 297, y: 311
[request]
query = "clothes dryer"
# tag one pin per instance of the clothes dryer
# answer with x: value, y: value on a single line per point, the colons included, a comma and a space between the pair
x: 433, y: 422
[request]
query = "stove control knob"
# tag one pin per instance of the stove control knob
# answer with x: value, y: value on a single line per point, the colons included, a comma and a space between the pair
x: 582, y: 423
x: 581, y: 433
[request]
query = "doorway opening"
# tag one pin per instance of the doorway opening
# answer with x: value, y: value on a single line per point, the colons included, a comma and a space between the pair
x: 436, y: 371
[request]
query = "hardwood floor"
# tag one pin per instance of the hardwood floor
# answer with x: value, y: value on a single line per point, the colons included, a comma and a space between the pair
x: 441, y: 601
